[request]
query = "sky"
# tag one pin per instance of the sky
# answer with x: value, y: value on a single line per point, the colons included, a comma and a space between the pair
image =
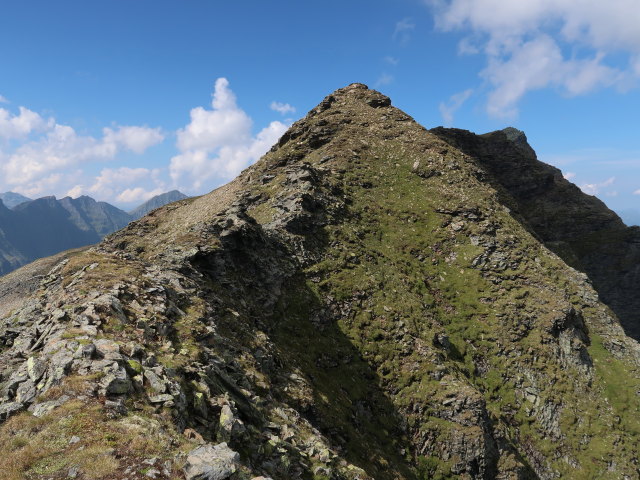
x: 122, y: 100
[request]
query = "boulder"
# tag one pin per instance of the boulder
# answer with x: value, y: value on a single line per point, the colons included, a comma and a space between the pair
x: 211, y: 462
x: 116, y: 382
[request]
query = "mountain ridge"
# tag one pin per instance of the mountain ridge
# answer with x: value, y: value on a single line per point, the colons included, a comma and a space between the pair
x: 362, y: 303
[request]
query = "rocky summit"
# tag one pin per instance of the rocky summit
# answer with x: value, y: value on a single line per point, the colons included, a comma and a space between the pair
x: 371, y: 300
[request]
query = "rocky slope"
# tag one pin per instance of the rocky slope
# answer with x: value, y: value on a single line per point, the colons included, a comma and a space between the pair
x: 576, y: 226
x: 362, y: 303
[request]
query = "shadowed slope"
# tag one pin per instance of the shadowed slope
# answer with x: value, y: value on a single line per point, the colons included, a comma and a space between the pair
x: 578, y: 227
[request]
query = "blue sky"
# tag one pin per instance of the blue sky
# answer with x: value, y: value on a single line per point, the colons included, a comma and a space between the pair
x: 114, y: 98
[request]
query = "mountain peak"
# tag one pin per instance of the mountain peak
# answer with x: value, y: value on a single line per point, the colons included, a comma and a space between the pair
x: 357, y: 92
x: 345, y: 110
x: 370, y: 300
x: 519, y: 138
x: 361, y: 92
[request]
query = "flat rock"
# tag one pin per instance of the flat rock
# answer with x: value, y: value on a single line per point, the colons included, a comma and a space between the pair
x: 211, y: 462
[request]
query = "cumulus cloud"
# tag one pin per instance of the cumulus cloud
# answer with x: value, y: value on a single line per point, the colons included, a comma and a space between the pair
x: 112, y: 181
x: 21, y: 125
x: 282, y: 108
x: 134, y: 138
x: 569, y: 175
x: 225, y: 124
x: 218, y: 143
x: 535, y: 44
x: 75, y: 191
x: 48, y: 184
x: 61, y: 148
x: 38, y: 155
x: 448, y: 109
x: 137, y: 194
x: 123, y: 184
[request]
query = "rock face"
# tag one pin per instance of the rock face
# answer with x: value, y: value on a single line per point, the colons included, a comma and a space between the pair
x: 365, y: 302
x: 576, y: 226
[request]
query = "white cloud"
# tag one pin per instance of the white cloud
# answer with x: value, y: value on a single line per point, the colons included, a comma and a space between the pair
x: 137, y: 194
x: 21, y: 125
x: 39, y: 156
x: 391, y: 60
x: 75, y: 191
x: 595, y: 188
x: 61, y: 148
x: 402, y: 30
x: 282, y: 108
x: 539, y: 64
x: 447, y: 110
x: 47, y: 185
x: 39, y: 153
x: 217, y: 143
x: 589, y: 188
x: 637, y: 192
x: 569, y: 175
x: 224, y: 125
x: 3, y: 99
x: 525, y: 44
x: 136, y: 139
x: 111, y: 182
x: 123, y: 184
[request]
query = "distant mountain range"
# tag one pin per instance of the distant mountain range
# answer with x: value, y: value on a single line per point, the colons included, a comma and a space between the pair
x: 12, y: 199
x: 31, y: 229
